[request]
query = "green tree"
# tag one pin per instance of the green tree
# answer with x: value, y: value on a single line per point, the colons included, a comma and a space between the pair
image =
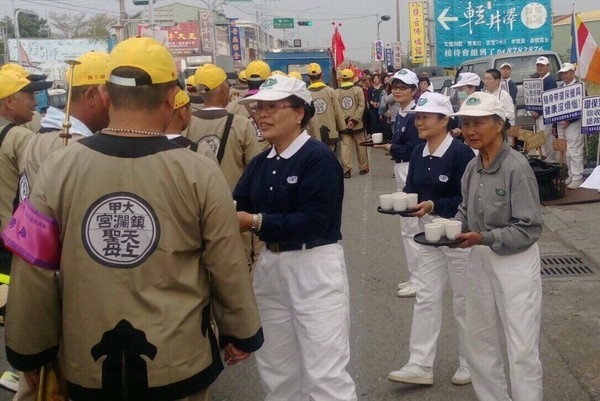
x: 30, y: 26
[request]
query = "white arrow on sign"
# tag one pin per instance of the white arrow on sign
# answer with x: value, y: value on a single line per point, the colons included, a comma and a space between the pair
x: 443, y: 19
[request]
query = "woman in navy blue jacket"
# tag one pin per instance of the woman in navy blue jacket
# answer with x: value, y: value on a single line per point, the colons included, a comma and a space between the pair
x: 435, y: 172
x: 405, y: 138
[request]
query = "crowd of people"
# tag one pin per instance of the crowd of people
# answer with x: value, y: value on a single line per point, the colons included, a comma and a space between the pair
x: 212, y: 214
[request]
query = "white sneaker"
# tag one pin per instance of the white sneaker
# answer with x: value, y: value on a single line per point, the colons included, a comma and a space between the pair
x: 414, y: 374
x: 574, y: 184
x: 408, y: 291
x: 10, y: 381
x: 404, y: 284
x: 462, y: 376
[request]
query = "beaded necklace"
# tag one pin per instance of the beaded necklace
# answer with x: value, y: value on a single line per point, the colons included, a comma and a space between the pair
x: 134, y: 131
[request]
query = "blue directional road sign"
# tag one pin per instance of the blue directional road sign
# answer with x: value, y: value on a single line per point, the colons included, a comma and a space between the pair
x: 470, y: 29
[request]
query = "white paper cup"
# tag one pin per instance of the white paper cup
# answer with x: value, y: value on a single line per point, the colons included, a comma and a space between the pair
x: 399, y: 193
x: 399, y: 203
x: 433, y: 232
x: 440, y: 220
x: 377, y: 137
x: 412, y: 200
x: 453, y: 228
x: 386, y: 202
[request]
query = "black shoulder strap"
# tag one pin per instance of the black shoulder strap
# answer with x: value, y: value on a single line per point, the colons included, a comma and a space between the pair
x: 224, y: 137
x: 186, y: 142
x: 5, y: 130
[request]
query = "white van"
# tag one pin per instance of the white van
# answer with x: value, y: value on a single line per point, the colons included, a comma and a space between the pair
x: 523, y: 66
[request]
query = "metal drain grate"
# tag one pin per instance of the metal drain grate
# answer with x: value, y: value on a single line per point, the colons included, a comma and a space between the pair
x: 562, y: 266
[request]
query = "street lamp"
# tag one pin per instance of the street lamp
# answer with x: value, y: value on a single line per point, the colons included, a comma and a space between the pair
x: 18, y: 34
x: 380, y: 20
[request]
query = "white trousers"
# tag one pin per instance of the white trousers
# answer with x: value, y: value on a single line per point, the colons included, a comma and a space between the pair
x: 548, y: 147
x: 409, y: 226
x: 504, y: 292
x: 303, y: 301
x: 436, y: 266
x: 575, y: 149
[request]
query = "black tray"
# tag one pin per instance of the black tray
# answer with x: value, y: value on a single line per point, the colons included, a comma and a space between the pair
x: 404, y: 213
x: 370, y: 143
x: 420, y: 239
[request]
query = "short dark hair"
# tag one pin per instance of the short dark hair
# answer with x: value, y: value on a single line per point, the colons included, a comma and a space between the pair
x: 78, y: 91
x: 424, y: 79
x: 144, y: 97
x: 309, y: 110
x: 315, y: 77
x: 494, y: 73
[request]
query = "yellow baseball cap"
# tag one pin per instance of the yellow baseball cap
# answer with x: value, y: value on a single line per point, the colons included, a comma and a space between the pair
x: 11, y: 83
x: 258, y: 71
x: 295, y: 74
x: 146, y: 54
x: 91, y: 71
x: 208, y: 77
x: 181, y: 99
x: 277, y: 72
x: 314, y: 69
x: 22, y: 72
x: 242, y: 76
x: 347, y: 73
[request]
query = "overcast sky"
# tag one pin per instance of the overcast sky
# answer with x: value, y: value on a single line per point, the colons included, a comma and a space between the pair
x: 358, y: 17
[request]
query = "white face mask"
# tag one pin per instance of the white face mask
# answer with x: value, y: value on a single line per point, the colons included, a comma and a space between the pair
x: 462, y: 95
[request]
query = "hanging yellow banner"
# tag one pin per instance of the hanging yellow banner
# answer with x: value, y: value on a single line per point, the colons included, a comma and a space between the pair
x: 416, y: 20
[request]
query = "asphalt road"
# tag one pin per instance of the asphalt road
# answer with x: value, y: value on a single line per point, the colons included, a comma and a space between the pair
x: 381, y: 321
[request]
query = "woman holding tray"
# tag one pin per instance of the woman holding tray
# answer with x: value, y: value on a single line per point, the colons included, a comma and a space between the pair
x: 500, y: 215
x: 435, y: 171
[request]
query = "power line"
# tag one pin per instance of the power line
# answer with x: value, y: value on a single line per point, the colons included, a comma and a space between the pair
x: 83, y: 9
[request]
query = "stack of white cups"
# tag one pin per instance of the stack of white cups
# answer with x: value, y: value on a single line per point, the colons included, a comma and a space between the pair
x: 441, y: 227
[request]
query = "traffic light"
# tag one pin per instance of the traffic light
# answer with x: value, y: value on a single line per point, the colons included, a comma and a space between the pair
x: 305, y: 23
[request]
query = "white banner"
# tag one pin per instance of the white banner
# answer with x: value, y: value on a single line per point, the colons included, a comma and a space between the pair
x: 564, y: 103
x: 590, y: 121
x: 41, y: 51
x: 532, y: 92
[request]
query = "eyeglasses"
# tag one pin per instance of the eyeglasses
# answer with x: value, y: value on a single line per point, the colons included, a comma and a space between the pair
x: 400, y: 88
x: 271, y: 108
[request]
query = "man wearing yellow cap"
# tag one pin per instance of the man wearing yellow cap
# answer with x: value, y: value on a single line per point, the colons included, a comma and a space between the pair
x: 146, y: 240
x: 16, y: 107
x: 34, y: 125
x: 257, y: 73
x: 231, y: 136
x: 328, y: 113
x: 352, y: 101
x: 88, y: 115
x: 180, y: 121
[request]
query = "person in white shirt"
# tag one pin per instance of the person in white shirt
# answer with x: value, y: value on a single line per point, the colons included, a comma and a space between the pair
x: 570, y: 129
x: 511, y: 86
x: 491, y: 84
x: 542, y: 70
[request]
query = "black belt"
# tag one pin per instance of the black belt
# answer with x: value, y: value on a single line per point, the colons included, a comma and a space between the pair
x: 284, y: 247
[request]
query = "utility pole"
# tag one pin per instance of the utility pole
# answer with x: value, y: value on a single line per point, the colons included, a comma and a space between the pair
x: 122, y: 13
x: 151, y: 16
